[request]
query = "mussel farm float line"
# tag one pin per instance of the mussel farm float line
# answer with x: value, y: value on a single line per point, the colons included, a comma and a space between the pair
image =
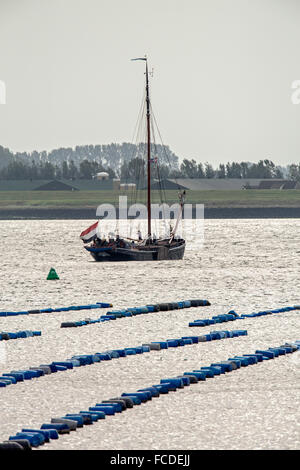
x: 59, y: 309
x: 16, y: 376
x: 232, y: 315
x: 33, y: 437
x: 166, y: 306
x: 130, y: 312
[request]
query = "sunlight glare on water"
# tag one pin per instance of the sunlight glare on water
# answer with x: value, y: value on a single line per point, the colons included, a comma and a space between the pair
x: 245, y: 265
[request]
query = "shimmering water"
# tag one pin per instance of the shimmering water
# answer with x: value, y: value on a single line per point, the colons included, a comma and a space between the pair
x: 245, y: 265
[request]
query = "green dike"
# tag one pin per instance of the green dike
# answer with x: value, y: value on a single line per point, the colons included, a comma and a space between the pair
x: 91, y: 199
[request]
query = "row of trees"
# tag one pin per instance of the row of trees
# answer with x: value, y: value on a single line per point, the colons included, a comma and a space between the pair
x: 111, y: 156
x: 135, y: 170
x: 46, y: 170
x: 263, y: 169
x: 58, y: 164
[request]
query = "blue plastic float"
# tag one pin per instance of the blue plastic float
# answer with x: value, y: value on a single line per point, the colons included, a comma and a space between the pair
x: 4, y: 336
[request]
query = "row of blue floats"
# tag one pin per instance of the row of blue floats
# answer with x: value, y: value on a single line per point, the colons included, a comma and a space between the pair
x: 16, y: 376
x: 60, y: 309
x: 18, y: 334
x: 232, y: 315
x: 33, y: 437
x: 270, y: 312
x: 130, y: 312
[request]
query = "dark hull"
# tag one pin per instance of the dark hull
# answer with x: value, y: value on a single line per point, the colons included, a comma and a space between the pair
x: 151, y: 253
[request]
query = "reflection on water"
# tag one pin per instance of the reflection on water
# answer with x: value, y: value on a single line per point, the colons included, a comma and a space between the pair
x: 245, y: 265
x: 248, y: 261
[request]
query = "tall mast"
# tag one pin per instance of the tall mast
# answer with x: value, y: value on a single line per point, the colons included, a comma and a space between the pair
x: 148, y: 146
x: 148, y: 153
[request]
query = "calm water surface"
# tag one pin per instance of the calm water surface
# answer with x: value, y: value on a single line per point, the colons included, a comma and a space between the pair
x: 246, y: 265
x: 240, y: 262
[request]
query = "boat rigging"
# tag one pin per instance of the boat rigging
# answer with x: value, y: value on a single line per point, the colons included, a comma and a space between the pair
x: 141, y: 249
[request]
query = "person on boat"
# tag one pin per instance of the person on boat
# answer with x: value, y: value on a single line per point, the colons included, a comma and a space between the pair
x: 140, y: 235
x: 103, y: 240
x: 119, y: 241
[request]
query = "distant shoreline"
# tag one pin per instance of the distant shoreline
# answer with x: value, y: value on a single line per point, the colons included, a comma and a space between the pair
x: 209, y: 213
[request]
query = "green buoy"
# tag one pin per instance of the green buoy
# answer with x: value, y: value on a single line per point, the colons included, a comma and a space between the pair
x: 52, y: 275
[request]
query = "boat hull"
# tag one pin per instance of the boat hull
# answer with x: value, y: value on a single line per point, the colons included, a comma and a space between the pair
x: 132, y: 254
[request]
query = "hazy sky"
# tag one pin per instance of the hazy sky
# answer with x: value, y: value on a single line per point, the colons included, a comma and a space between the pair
x: 222, y: 85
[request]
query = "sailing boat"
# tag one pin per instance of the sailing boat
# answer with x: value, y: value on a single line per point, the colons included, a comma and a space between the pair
x: 150, y: 248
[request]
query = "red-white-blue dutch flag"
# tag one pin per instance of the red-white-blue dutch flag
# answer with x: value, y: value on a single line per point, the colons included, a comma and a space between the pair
x: 89, y: 233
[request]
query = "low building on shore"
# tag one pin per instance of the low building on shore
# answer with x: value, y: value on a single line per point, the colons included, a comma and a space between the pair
x: 57, y: 185
x: 224, y: 184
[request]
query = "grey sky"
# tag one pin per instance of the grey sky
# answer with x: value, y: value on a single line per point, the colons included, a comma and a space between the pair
x: 221, y: 91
